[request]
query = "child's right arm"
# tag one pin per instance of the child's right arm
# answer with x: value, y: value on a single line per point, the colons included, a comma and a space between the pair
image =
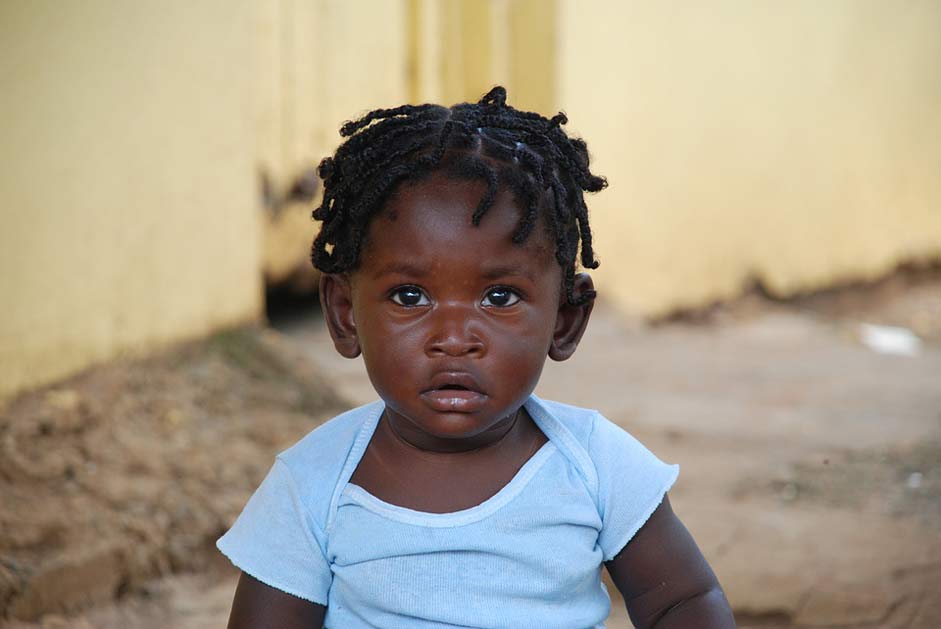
x: 279, y: 548
x: 260, y: 606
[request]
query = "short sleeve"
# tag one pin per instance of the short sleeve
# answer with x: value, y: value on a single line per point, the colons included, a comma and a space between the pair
x: 631, y: 484
x: 275, y: 541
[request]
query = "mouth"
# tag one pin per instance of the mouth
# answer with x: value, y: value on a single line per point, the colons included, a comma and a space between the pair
x: 454, y: 381
x: 454, y: 393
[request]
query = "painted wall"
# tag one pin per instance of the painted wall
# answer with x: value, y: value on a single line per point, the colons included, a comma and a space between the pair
x: 321, y: 62
x: 135, y: 138
x: 798, y: 143
x: 128, y: 187
x: 459, y: 49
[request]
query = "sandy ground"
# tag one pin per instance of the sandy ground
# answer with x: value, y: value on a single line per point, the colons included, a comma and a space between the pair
x: 126, y: 473
x: 811, y: 464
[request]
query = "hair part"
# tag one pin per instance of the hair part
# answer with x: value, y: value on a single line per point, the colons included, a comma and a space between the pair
x: 524, y: 152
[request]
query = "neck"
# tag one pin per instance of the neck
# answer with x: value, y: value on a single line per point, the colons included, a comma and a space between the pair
x: 407, y: 436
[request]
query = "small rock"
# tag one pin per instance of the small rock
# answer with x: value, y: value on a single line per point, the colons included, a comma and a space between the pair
x: 789, y: 492
x: 847, y: 604
x: 63, y: 399
x: 174, y: 417
x: 887, y: 339
x: 72, y: 580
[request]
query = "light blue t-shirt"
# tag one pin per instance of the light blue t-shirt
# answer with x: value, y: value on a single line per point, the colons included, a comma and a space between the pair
x: 530, y: 556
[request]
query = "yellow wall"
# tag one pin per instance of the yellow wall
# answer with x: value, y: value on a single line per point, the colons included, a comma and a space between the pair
x: 459, y: 49
x: 320, y: 62
x: 797, y: 142
x: 134, y: 140
x: 332, y: 60
x: 128, y: 184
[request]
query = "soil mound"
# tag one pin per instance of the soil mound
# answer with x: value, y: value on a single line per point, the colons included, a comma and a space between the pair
x: 131, y: 469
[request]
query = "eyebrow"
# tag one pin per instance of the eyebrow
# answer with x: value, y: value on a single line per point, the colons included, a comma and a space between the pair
x: 507, y: 271
x: 411, y: 270
x: 401, y: 268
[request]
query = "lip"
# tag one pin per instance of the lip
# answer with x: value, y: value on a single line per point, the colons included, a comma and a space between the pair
x: 468, y: 399
x: 454, y: 400
x: 454, y: 378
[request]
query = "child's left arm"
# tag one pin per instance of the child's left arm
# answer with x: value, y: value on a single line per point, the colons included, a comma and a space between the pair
x: 665, y: 580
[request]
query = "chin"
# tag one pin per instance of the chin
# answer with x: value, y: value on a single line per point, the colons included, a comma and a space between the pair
x: 455, y: 426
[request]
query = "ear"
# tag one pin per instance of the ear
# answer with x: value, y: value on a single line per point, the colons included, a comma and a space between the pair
x: 336, y: 300
x: 571, y: 321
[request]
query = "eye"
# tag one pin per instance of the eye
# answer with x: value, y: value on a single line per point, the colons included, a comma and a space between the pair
x: 409, y: 296
x: 500, y: 297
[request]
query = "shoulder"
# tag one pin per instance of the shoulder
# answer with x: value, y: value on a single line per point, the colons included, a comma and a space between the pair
x: 584, y: 434
x: 570, y: 429
x: 578, y: 422
x: 601, y: 450
x: 626, y: 480
x: 317, y: 461
x: 593, y: 433
x: 280, y: 536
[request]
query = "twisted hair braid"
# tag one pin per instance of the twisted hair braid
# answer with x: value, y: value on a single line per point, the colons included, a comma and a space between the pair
x: 528, y: 154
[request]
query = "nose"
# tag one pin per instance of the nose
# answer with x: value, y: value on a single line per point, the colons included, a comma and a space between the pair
x: 454, y: 333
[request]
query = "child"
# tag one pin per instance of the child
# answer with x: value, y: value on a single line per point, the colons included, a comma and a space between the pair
x: 448, y: 255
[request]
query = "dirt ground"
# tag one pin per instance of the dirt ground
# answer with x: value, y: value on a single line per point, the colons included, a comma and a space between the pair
x: 128, y: 472
x: 811, y: 464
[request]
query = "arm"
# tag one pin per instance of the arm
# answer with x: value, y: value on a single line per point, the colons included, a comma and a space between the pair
x: 665, y: 580
x: 259, y: 606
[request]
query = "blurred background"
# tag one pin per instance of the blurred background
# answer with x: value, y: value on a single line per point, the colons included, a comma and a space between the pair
x: 770, y: 310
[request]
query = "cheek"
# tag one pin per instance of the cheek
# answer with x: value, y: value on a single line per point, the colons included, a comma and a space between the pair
x: 522, y: 349
x: 389, y: 348
x: 534, y: 330
x: 387, y: 366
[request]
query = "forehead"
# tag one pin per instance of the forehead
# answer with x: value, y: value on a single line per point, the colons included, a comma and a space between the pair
x: 431, y: 218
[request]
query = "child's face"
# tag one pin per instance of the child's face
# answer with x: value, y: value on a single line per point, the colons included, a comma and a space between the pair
x: 454, y: 321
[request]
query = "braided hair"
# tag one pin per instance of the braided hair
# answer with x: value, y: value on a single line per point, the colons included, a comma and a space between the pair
x: 530, y: 155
